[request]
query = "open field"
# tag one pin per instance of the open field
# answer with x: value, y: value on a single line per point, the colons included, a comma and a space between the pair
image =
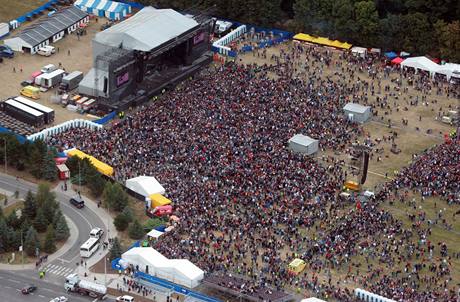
x: 11, y: 9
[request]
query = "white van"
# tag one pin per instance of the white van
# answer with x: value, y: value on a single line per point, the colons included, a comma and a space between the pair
x: 48, y: 68
x: 96, y: 233
x: 125, y: 298
x: 44, y: 51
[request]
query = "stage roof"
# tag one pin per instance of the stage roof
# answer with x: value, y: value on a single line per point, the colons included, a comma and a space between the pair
x: 146, y: 30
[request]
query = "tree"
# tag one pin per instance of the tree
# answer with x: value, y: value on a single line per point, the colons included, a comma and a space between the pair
x: 62, y: 229
x: 13, y: 221
x: 96, y: 183
x: 115, y: 249
x: 115, y: 197
x: 43, y: 194
x: 30, y: 206
x: 37, y: 154
x: 40, y: 222
x: 129, y: 214
x: 366, y: 22
x: 49, y: 209
x: 3, y: 236
x: 49, y: 245
x: 121, y: 222
x: 49, y: 170
x: 448, y: 39
x: 31, y: 242
x: 135, y: 230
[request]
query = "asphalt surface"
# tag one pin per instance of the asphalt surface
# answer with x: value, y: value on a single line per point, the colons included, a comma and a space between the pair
x: 56, y: 270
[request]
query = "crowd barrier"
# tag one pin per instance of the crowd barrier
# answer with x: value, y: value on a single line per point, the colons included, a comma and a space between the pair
x: 106, y: 118
x: 366, y: 296
x: 220, y: 45
x: 78, y: 123
x: 15, y: 23
x: 20, y: 138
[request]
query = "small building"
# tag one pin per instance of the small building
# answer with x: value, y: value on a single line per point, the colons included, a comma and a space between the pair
x: 357, y: 113
x: 64, y: 172
x: 303, y: 144
x: 51, y: 30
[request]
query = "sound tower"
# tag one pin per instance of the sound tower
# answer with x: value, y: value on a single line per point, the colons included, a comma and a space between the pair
x: 140, y: 57
x: 365, y: 167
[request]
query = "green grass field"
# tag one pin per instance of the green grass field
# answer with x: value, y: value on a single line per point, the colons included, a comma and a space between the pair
x: 10, y: 10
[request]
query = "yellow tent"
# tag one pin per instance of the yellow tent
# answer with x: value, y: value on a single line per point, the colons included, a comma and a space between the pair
x: 100, y: 166
x: 158, y: 200
x: 322, y: 41
x: 304, y: 37
x: 296, y: 266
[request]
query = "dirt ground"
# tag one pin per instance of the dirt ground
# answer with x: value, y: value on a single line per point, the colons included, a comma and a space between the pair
x: 72, y: 52
x: 11, y: 9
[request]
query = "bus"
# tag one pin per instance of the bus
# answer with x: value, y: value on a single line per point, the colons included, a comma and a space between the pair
x: 88, y: 248
x: 47, y: 111
x: 24, y: 113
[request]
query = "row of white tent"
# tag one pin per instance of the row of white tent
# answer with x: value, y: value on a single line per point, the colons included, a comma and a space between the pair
x: 150, y: 261
x: 423, y: 63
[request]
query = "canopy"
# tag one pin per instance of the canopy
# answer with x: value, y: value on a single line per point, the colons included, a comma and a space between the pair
x: 450, y: 70
x: 297, y: 265
x: 422, y: 63
x: 150, y: 261
x: 322, y: 41
x: 145, y: 185
x: 100, y: 166
x: 104, y: 8
x: 404, y: 54
x: 159, y: 200
x: 397, y: 61
x: 391, y: 55
x: 154, y: 234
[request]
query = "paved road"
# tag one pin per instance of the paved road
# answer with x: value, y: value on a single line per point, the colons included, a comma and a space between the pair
x: 83, y: 219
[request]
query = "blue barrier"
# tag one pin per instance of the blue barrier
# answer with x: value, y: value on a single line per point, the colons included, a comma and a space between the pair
x: 177, y: 288
x: 23, y: 18
x: 115, y: 265
x: 232, y: 54
x: 20, y: 138
x: 106, y: 118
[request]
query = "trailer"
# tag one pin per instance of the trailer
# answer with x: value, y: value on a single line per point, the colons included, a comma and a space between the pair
x: 71, y: 81
x: 48, y: 112
x: 73, y: 283
x: 23, y: 113
x: 51, y: 79
x: 88, y: 104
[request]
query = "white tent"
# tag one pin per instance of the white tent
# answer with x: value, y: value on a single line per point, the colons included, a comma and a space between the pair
x: 359, y: 51
x: 422, y: 63
x: 154, y: 234
x: 449, y: 70
x: 312, y: 299
x: 150, y: 261
x: 304, y: 144
x: 145, y: 185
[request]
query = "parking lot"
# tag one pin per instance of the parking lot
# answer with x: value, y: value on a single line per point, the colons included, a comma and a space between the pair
x: 72, y: 52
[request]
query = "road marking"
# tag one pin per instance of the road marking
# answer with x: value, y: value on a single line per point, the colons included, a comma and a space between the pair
x: 63, y: 260
x: 7, y: 286
x: 15, y: 281
x: 41, y: 296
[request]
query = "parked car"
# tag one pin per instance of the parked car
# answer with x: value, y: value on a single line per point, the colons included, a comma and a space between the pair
x: 96, y: 233
x: 77, y: 203
x: 59, y: 299
x: 6, y: 51
x: 28, y: 289
x: 125, y: 298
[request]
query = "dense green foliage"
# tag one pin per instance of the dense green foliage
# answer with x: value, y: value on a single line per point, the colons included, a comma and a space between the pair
x: 114, y: 196
x: 39, y: 214
x: 417, y: 26
x: 116, y: 249
x: 135, y: 230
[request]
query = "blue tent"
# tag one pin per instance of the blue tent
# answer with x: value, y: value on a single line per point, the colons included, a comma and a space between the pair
x: 391, y: 55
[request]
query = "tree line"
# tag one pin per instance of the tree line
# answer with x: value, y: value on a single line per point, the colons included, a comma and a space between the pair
x: 417, y: 26
x: 39, y: 214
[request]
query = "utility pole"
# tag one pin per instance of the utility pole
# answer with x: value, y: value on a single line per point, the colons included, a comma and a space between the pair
x: 4, y: 139
x: 22, y: 251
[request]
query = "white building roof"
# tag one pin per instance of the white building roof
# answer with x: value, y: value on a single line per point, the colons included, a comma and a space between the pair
x: 145, y: 185
x: 356, y: 108
x: 302, y: 140
x: 147, y: 29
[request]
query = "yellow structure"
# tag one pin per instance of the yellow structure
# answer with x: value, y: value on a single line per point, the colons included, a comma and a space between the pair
x: 31, y: 92
x: 352, y: 185
x: 296, y: 266
x: 322, y: 41
x: 159, y: 200
x: 100, y: 166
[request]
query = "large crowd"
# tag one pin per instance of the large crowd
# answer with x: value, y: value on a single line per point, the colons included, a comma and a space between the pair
x: 249, y: 205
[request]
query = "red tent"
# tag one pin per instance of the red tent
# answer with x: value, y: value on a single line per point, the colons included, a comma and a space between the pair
x: 397, y: 61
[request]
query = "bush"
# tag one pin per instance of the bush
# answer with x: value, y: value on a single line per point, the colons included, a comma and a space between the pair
x: 121, y: 222
x: 135, y: 230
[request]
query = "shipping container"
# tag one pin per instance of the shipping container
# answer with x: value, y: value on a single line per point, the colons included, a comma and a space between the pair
x: 24, y: 113
x: 48, y: 112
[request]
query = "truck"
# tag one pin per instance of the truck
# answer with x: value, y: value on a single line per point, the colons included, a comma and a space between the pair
x: 73, y: 283
x: 51, y: 79
x: 71, y: 81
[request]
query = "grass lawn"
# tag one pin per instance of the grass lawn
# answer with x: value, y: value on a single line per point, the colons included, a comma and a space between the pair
x: 10, y: 9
